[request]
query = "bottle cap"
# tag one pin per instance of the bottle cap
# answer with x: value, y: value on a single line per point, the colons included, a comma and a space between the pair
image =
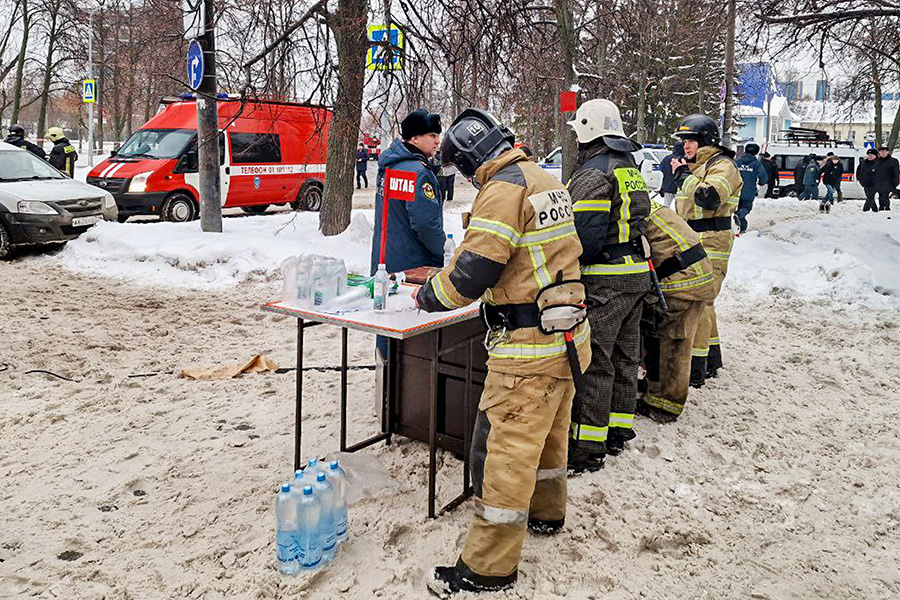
x: 320, y: 476
x: 285, y: 487
x: 311, y: 462
x: 334, y: 464
x: 298, y: 473
x: 307, y: 490
x: 449, y: 236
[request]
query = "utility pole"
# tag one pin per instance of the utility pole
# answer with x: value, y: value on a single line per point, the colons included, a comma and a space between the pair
x: 90, y: 72
x: 208, y: 130
x: 727, y: 116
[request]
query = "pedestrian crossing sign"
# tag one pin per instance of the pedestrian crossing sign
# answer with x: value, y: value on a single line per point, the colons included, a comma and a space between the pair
x: 381, y: 56
x: 88, y: 91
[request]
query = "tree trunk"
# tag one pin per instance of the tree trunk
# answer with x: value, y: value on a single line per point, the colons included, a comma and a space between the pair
x: 567, y: 44
x: 48, y: 69
x: 876, y: 82
x: 727, y: 117
x: 20, y: 66
x: 641, y: 109
x: 349, y: 27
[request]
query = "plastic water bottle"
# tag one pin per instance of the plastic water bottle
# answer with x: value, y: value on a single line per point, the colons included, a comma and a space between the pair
x: 382, y: 288
x: 338, y: 480
x: 340, y: 272
x: 325, y: 493
x: 308, y: 532
x: 449, y: 249
x: 285, y: 530
x: 313, y: 467
x: 322, y: 285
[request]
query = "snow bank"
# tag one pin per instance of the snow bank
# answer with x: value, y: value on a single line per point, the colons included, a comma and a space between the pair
x: 846, y: 258
x: 251, y: 248
x: 180, y: 255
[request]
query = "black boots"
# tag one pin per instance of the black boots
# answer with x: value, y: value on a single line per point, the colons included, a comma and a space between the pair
x: 446, y: 581
x: 545, y: 527
x: 655, y: 414
x: 582, y: 461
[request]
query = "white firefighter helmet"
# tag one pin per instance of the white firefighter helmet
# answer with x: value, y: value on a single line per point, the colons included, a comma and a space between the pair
x: 596, y: 118
x: 54, y: 133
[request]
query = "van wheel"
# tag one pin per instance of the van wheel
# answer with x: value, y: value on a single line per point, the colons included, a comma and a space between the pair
x: 178, y: 208
x: 257, y: 209
x: 5, y: 243
x: 310, y: 196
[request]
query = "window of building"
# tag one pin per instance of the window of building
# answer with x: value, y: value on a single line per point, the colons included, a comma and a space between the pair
x: 255, y: 148
x: 823, y: 90
x: 792, y: 90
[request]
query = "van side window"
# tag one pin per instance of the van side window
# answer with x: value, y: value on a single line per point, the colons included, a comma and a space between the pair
x: 255, y: 148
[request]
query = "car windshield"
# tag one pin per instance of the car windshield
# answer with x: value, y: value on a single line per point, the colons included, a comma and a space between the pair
x: 19, y: 165
x: 156, y: 143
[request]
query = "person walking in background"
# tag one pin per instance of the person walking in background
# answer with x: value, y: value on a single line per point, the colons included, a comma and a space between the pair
x: 16, y: 137
x: 831, y: 177
x: 799, y: 170
x: 810, y: 179
x: 446, y: 177
x: 768, y: 163
x: 887, y: 172
x: 865, y: 175
x: 752, y: 171
x: 63, y: 154
x: 837, y: 187
x: 674, y: 170
x: 362, y: 163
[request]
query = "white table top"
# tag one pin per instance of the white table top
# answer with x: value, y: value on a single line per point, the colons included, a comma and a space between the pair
x: 402, y: 320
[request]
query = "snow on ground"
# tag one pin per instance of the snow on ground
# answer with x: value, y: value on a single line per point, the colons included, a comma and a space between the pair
x: 125, y: 481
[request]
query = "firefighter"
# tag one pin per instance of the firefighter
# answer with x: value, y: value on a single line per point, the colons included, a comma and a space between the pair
x: 63, y: 154
x: 707, y: 200
x: 16, y: 137
x: 520, y: 241
x: 610, y: 200
x: 686, y: 280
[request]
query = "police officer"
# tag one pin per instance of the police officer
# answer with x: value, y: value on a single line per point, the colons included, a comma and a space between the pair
x: 16, y: 137
x: 707, y: 200
x: 752, y: 173
x: 687, y: 282
x: 610, y: 201
x: 63, y: 154
x: 521, y: 239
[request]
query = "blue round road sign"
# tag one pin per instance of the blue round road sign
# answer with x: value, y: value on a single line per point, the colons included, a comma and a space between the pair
x: 194, y: 65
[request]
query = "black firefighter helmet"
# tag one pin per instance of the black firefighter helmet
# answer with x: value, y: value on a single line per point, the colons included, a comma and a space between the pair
x: 700, y: 128
x: 17, y: 130
x: 473, y: 139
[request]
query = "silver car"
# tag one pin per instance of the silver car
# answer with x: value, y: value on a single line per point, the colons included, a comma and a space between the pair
x: 40, y: 205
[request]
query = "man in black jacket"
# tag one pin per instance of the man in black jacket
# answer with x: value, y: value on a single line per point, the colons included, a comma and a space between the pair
x: 362, y: 163
x: 768, y: 163
x: 673, y: 169
x: 832, y: 172
x: 887, y: 174
x: 865, y: 175
x: 799, y: 171
x: 16, y: 137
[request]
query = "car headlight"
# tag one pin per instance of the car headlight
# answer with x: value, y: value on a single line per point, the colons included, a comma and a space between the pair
x: 108, y: 202
x: 139, y: 182
x: 35, y: 208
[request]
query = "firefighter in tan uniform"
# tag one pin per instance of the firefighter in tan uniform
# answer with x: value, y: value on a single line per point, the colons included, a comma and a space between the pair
x: 707, y: 200
x: 520, y: 244
x: 686, y: 280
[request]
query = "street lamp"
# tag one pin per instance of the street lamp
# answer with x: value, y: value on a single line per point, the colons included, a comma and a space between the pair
x: 90, y: 70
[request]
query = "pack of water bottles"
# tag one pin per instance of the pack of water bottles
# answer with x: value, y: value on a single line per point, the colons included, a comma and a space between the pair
x: 311, y: 517
x: 322, y: 283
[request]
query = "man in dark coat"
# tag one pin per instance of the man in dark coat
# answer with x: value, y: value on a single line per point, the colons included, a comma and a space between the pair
x: 752, y: 172
x: 16, y: 137
x: 832, y: 172
x: 887, y: 174
x: 810, y: 180
x: 768, y: 163
x: 669, y: 166
x: 362, y: 163
x: 865, y: 175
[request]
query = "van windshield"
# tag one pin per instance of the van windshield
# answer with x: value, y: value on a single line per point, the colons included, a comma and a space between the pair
x: 156, y: 143
x: 19, y: 165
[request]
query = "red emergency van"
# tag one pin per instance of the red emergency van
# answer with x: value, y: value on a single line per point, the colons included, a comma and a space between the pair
x: 270, y: 153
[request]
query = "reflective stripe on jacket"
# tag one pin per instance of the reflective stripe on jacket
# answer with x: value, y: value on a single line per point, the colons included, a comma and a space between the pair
x: 714, y: 170
x: 669, y: 235
x: 521, y: 236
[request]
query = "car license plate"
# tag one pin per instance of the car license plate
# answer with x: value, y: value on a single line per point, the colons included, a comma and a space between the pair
x: 85, y: 221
